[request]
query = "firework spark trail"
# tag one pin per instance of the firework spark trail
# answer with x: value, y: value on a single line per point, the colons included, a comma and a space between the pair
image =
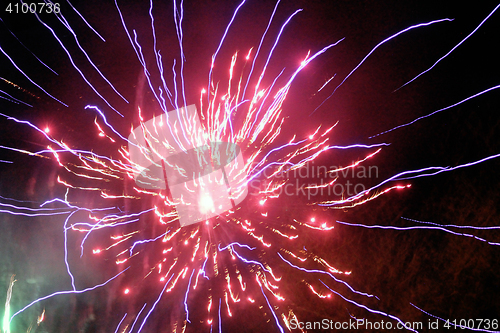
x: 220, y: 320
x: 28, y: 214
x: 214, y: 56
x: 330, y: 275
x: 437, y: 111
x: 22, y: 44
x: 178, y: 17
x: 159, y: 63
x: 326, y: 83
x: 120, y: 323
x: 154, y: 304
x: 137, y: 317
x: 66, y: 24
x: 45, y: 134
x: 271, y: 309
x: 11, y: 98
x: 373, y: 50
x: 259, y: 48
x: 453, y: 225
x: 72, y: 62
x: 86, y: 22
x: 451, y: 322
x: 93, y: 107
x: 390, y: 227
x: 66, y: 228
x: 186, y: 296
x: 147, y: 241
x: 6, y: 323
x: 448, y: 53
x: 411, y: 174
x: 140, y: 56
x: 66, y: 261
x: 283, y: 91
x: 254, y: 262
x: 27, y: 77
x: 369, y: 309
x: 67, y: 292
x: 301, y: 163
x: 270, y: 54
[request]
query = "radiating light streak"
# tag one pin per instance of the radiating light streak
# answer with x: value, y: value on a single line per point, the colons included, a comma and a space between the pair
x: 154, y: 305
x: 256, y: 263
x: 34, y: 55
x: 324, y: 85
x: 237, y: 244
x: 373, y: 50
x: 416, y: 228
x: 411, y: 174
x: 6, y: 321
x: 271, y: 309
x: 451, y: 322
x: 86, y: 22
x: 27, y: 76
x: 120, y: 323
x: 66, y: 292
x: 137, y: 317
x: 10, y: 97
x: 448, y: 53
x: 66, y: 24
x: 186, y: 297
x: 329, y: 274
x: 147, y: 241
x: 66, y: 261
x: 320, y: 295
x: 367, y: 308
x: 259, y: 47
x: 74, y: 64
x: 437, y: 111
x: 214, y: 56
x: 453, y: 225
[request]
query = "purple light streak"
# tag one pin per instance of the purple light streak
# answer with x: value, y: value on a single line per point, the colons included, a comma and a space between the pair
x: 119, y: 324
x: 373, y: 50
x: 154, y: 305
x: 137, y: 317
x: 271, y: 308
x: 448, y: 53
x: 415, y: 228
x: 26, y: 76
x: 437, y: 111
x: 453, y: 225
x: 367, y: 308
x: 449, y: 322
x: 219, y: 47
x: 186, y: 296
x: 147, y: 241
x: 67, y: 292
x: 412, y: 174
x: 329, y: 274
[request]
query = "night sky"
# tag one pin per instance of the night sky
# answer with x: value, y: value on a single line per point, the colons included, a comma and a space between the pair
x: 449, y: 276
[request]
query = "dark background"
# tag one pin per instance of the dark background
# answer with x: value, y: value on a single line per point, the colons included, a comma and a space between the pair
x: 450, y: 276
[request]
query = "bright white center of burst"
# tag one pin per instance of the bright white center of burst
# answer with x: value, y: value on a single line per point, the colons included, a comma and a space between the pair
x: 206, y: 204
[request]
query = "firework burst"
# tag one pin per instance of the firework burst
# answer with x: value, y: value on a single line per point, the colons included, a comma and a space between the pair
x: 190, y: 200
